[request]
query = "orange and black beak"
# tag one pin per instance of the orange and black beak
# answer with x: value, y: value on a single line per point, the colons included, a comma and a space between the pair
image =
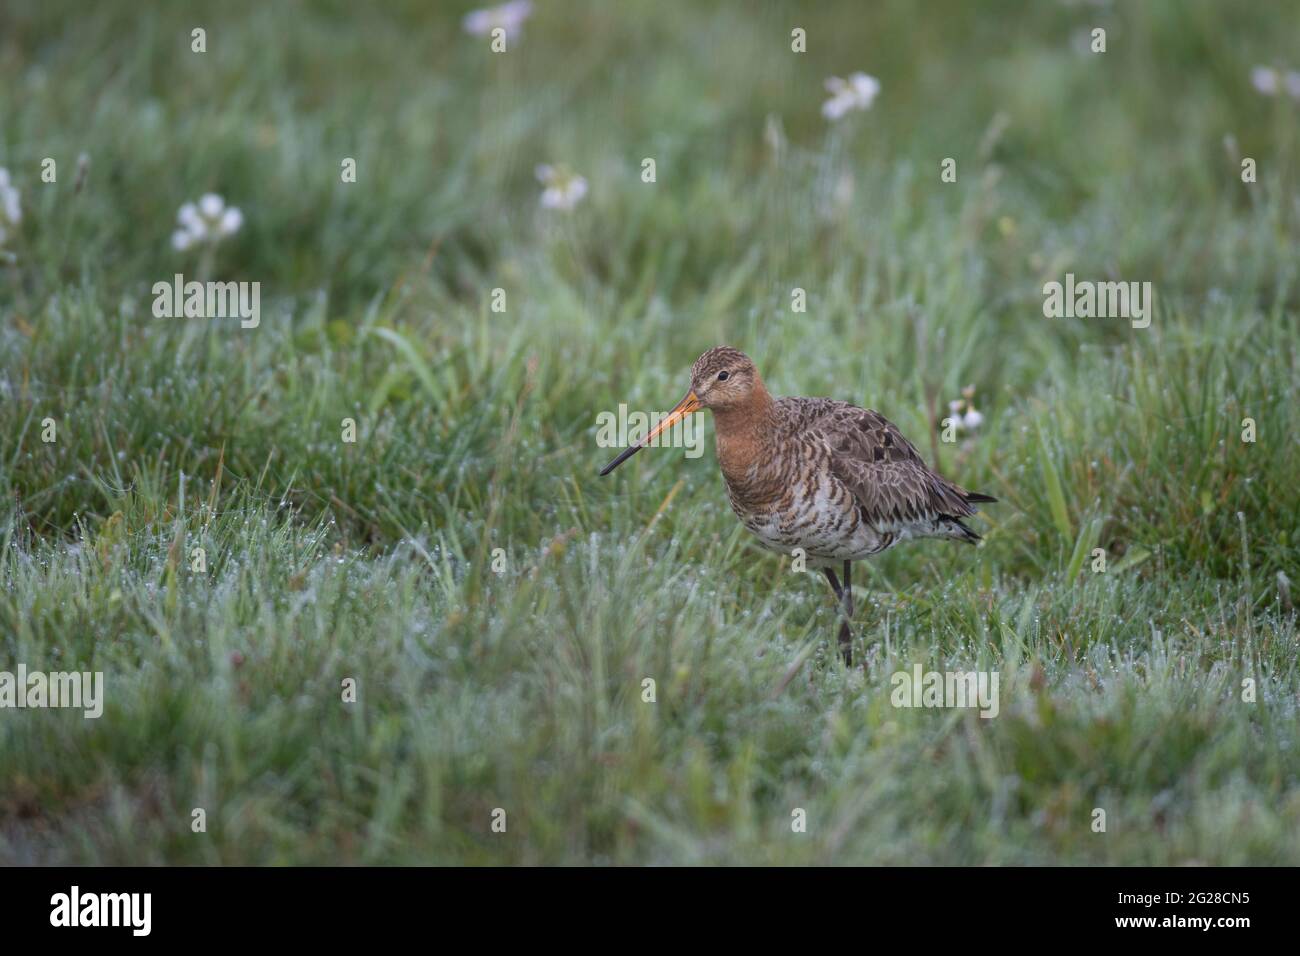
x: 685, y: 407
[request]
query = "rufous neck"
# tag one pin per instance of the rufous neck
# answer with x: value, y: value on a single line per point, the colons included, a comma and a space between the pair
x: 742, y: 430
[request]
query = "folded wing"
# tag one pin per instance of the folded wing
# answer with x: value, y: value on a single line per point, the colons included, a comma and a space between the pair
x: 894, y: 487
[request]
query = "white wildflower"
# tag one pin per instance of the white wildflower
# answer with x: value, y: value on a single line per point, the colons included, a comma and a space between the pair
x: 208, y: 221
x: 858, y: 92
x: 774, y: 134
x: 562, y: 189
x: 211, y: 206
x: 964, y: 415
x: 1266, y: 79
x: 508, y: 16
x: 1271, y: 81
x: 11, y: 210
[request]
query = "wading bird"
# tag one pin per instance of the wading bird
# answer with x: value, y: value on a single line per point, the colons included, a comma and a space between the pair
x: 838, y: 481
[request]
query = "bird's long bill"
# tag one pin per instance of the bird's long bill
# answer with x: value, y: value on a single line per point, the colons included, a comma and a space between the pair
x: 683, y: 408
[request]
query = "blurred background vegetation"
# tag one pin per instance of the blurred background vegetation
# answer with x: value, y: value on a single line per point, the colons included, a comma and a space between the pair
x: 477, y: 431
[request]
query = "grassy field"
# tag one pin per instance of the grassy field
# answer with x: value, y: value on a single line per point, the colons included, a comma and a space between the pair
x: 519, y: 687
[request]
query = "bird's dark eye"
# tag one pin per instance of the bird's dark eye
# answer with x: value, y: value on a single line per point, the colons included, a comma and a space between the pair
x: 723, y: 376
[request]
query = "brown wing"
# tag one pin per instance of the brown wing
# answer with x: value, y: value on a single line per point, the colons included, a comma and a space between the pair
x: 883, y: 470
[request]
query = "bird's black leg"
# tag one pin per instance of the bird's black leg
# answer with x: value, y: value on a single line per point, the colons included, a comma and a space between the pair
x: 846, y: 634
x: 844, y: 598
x: 835, y: 584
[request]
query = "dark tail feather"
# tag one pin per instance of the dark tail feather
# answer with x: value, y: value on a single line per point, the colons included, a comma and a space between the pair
x: 974, y: 497
x: 967, y: 535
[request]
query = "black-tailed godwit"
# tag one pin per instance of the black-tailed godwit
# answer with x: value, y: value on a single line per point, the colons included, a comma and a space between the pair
x: 838, y: 481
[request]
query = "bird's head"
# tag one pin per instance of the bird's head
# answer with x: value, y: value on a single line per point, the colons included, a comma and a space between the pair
x: 721, y: 379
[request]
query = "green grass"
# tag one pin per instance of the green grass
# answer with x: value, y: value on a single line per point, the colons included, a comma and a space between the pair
x: 522, y: 690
